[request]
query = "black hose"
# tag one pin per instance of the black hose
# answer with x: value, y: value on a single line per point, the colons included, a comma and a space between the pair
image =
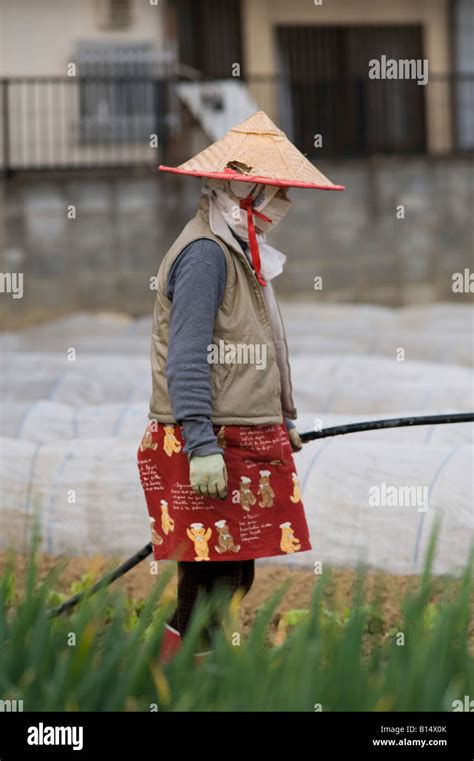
x: 104, y: 581
x: 395, y: 422
x: 337, y: 430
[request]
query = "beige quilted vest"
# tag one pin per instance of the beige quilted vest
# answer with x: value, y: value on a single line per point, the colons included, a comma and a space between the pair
x: 242, y: 394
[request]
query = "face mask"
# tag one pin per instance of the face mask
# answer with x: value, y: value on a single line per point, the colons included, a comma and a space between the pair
x: 267, y: 201
x: 241, y: 189
x: 275, y: 210
x: 226, y: 197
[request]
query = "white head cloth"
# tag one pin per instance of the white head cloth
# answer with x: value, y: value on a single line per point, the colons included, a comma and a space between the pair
x: 224, y: 197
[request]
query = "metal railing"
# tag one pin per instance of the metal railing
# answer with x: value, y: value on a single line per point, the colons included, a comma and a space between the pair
x: 90, y: 122
x: 48, y: 123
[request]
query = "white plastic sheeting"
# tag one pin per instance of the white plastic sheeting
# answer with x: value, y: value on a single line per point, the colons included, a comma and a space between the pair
x: 71, y: 430
x: 43, y: 421
x: 439, y: 332
x: 337, y: 477
x: 329, y: 383
x: 85, y: 492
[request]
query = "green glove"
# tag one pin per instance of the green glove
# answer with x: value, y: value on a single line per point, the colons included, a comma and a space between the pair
x: 295, y: 441
x: 208, y: 475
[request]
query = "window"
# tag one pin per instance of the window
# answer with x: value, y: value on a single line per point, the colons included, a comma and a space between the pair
x: 120, y: 96
x: 464, y: 66
x: 325, y: 89
x: 209, y: 34
x: 114, y: 14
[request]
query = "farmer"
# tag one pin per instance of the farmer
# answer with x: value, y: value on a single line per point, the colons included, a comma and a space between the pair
x: 216, y: 459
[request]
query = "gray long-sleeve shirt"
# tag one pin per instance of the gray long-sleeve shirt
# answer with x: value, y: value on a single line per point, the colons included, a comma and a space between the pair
x: 196, y: 285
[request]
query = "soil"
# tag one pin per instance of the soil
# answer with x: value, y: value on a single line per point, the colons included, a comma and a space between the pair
x: 19, y: 319
x: 268, y: 579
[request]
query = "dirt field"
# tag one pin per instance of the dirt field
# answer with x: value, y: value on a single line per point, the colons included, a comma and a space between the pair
x: 138, y: 582
x: 17, y: 319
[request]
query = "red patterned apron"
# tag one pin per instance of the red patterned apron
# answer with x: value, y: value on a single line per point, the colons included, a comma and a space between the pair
x: 262, y: 515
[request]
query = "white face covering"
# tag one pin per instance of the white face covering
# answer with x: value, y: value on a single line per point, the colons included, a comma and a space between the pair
x: 225, y: 197
x: 275, y: 210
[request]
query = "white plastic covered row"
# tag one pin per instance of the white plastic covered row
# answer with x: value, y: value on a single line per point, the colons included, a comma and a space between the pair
x: 43, y: 421
x: 433, y: 332
x: 87, y: 495
x: 71, y: 431
x: 333, y: 383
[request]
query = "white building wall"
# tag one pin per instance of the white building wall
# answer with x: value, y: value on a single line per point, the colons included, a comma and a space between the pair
x: 39, y: 37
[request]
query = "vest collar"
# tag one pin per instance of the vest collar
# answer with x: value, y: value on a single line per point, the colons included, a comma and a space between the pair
x: 218, y: 225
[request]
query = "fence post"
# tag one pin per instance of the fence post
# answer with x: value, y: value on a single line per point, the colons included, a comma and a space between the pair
x: 6, y: 127
x: 160, y: 104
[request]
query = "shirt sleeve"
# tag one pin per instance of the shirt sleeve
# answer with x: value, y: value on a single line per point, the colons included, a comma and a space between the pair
x: 196, y: 285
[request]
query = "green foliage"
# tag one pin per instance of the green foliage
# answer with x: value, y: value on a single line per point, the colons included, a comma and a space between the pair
x: 102, y: 656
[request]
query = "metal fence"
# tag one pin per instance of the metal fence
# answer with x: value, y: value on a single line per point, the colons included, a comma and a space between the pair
x: 89, y: 122
x: 81, y: 122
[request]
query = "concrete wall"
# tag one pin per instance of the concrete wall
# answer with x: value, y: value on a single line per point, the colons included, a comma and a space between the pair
x: 103, y: 258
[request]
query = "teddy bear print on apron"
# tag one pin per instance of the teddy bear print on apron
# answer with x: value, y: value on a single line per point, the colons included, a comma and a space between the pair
x: 262, y: 516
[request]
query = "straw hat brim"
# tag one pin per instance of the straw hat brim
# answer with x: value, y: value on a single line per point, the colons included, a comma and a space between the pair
x: 230, y: 174
x: 255, y: 150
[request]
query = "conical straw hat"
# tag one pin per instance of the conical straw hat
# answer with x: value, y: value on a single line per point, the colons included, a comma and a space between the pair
x: 256, y: 151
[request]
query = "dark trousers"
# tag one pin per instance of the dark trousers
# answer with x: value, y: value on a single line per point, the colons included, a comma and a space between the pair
x: 206, y: 577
